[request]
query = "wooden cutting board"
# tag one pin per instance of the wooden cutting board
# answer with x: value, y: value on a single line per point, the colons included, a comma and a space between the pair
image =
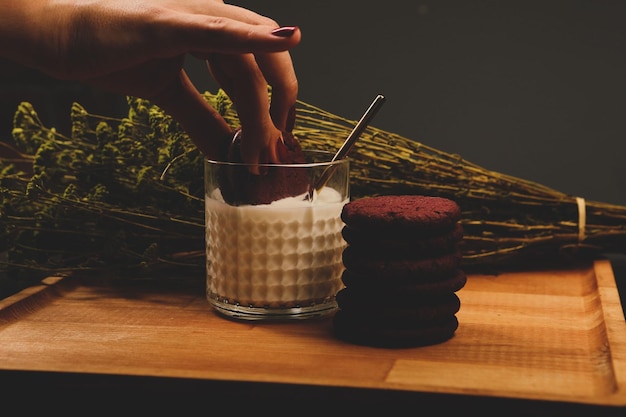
x: 556, y: 335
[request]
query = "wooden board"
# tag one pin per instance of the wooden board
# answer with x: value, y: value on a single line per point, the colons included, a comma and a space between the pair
x: 556, y: 335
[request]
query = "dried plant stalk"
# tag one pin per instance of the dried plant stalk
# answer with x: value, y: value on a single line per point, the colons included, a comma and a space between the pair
x: 128, y: 193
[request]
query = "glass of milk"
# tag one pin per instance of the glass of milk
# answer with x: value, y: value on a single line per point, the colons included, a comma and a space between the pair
x: 275, y: 260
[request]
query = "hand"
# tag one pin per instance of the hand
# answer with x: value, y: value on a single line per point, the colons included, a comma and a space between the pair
x: 137, y: 47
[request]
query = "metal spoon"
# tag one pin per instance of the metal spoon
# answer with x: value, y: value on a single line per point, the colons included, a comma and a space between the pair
x: 348, y: 144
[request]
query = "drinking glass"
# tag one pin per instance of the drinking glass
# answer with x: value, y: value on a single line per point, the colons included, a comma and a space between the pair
x: 279, y: 256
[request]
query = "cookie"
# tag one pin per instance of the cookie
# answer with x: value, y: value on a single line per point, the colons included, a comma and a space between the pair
x: 397, y: 305
x: 357, y: 329
x: 240, y: 186
x: 393, y: 267
x: 403, y: 244
x: 425, y: 285
x: 394, y: 215
x: 402, y: 271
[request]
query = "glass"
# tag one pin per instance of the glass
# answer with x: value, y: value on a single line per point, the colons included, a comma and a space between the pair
x: 278, y: 260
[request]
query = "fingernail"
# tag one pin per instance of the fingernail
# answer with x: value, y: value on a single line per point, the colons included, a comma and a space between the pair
x: 291, y: 119
x: 285, y: 31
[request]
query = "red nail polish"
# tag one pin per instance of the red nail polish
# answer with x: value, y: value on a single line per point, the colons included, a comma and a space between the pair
x: 285, y: 31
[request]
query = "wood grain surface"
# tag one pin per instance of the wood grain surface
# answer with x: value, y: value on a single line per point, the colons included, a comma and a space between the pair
x: 556, y: 335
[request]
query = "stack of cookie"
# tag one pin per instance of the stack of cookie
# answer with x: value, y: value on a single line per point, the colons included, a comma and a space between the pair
x: 402, y: 271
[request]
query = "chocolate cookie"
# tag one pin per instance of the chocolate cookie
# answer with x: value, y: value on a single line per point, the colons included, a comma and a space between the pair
x: 424, y: 285
x: 397, y: 304
x: 364, y: 263
x: 357, y: 329
x: 401, y: 214
x: 404, y: 244
x: 402, y: 271
x: 240, y: 186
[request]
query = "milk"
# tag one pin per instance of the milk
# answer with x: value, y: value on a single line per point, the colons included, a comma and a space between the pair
x: 282, y: 257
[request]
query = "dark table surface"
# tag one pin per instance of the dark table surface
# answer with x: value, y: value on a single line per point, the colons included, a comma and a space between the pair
x: 127, y: 395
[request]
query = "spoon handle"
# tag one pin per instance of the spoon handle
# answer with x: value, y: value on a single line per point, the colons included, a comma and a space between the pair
x: 351, y: 139
x: 360, y: 127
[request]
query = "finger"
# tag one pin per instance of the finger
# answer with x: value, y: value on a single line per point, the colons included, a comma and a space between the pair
x: 219, y: 74
x: 207, y: 129
x: 244, y: 83
x: 278, y: 70
x: 198, y: 34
